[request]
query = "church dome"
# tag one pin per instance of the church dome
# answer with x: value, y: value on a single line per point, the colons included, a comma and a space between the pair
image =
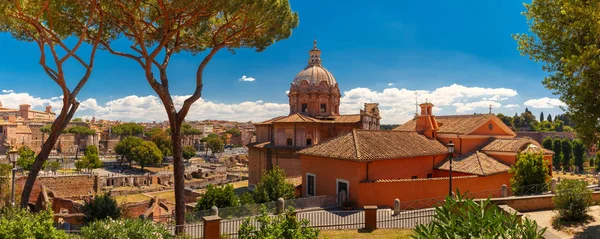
x: 315, y: 73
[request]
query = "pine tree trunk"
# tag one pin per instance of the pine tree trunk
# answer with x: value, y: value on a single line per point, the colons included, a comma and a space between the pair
x: 58, y: 126
x: 178, y: 171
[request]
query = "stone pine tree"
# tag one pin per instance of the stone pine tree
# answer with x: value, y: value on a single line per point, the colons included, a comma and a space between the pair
x: 47, y: 24
x: 564, y: 37
x: 79, y: 132
x: 158, y: 29
x: 567, y: 152
x: 557, y: 148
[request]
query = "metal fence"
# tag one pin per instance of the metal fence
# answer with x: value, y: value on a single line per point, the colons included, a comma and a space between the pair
x: 404, y: 219
x: 192, y: 230
x: 334, y: 220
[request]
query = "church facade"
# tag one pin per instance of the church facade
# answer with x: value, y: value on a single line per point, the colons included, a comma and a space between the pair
x: 314, y: 117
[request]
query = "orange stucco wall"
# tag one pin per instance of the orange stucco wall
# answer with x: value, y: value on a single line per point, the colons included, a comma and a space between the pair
x: 403, y: 168
x: 485, y: 130
x: 326, y: 172
x: 384, y: 193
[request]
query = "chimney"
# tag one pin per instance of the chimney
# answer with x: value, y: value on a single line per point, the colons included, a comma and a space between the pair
x: 48, y: 109
x: 426, y: 123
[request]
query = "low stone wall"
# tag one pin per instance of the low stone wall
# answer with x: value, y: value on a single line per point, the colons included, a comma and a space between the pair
x: 533, y: 203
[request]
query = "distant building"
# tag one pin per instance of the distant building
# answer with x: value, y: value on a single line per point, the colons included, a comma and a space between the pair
x: 314, y: 117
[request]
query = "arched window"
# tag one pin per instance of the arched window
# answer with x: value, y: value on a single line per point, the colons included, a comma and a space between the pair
x: 308, y: 140
x: 289, y: 142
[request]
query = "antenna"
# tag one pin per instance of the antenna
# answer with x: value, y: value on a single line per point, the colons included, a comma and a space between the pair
x: 416, y: 103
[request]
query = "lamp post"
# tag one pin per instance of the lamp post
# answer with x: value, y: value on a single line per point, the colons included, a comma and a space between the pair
x: 450, y: 147
x: 12, y: 156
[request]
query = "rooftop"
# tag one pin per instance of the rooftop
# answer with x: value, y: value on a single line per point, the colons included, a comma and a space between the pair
x: 455, y: 124
x: 508, y: 145
x: 370, y: 145
x: 300, y: 118
x: 477, y: 163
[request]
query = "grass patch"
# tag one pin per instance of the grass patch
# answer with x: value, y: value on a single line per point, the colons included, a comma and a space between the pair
x: 131, y: 198
x: 168, y: 195
x: 362, y: 234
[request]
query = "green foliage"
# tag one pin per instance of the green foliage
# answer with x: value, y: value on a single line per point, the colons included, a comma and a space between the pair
x: 91, y: 160
x: 272, y: 186
x: 16, y: 223
x: 564, y: 37
x: 215, y: 145
x: 530, y: 173
x: 52, y: 166
x: 188, y: 152
x: 100, y: 207
x: 128, y: 129
x: 187, y: 129
x: 46, y: 129
x: 572, y: 200
x: 557, y: 148
x: 507, y: 120
x: 125, y: 228
x: 578, y: 154
x: 77, y: 120
x: 464, y: 218
x: 146, y: 153
x: 125, y: 146
x: 598, y: 161
x: 80, y: 131
x: 567, y: 153
x: 246, y: 199
x: 282, y: 226
x: 26, y: 158
x: 220, y: 197
x: 547, y: 143
x: 162, y: 140
x: 234, y: 132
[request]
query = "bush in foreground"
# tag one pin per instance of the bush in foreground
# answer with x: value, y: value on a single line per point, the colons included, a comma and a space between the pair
x: 125, y: 228
x: 464, y: 218
x: 529, y: 174
x: 572, y: 200
x: 282, y: 226
x: 20, y: 223
x: 101, y: 207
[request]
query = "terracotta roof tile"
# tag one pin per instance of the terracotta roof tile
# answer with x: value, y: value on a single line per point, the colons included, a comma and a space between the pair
x: 532, y: 148
x: 369, y: 145
x: 511, y: 145
x: 347, y: 119
x: 476, y: 163
x: 456, y: 124
x: 300, y: 118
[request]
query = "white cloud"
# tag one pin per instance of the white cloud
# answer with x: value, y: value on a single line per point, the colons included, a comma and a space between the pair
x: 247, y: 78
x: 485, y: 104
x: 8, y: 91
x: 396, y: 105
x: 287, y: 92
x: 390, y: 84
x: 511, y: 106
x: 544, y: 103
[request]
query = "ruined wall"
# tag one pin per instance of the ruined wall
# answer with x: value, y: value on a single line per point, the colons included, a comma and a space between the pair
x: 67, y: 187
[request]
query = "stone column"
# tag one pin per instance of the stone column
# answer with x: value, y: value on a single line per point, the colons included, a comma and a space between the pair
x: 553, y: 186
x: 370, y: 217
x: 212, y: 227
x: 214, y: 211
x: 396, y: 206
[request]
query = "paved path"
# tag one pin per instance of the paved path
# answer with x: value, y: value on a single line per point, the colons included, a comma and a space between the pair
x: 591, y: 230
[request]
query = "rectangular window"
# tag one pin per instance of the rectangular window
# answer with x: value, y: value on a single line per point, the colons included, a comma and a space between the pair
x: 414, y: 177
x: 323, y: 108
x: 429, y: 175
x: 304, y: 107
x: 310, y: 184
x: 289, y: 142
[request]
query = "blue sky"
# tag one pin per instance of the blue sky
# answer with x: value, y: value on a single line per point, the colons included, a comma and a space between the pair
x: 381, y: 52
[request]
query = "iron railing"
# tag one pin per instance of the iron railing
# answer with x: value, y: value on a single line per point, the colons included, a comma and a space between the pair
x: 334, y: 220
x: 404, y: 219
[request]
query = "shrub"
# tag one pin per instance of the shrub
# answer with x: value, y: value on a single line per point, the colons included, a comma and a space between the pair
x: 529, y: 174
x: 272, y: 186
x: 125, y: 228
x: 188, y: 152
x: 464, y: 218
x: 100, y: 208
x: 20, y: 223
x: 282, y: 226
x: 572, y: 200
x: 220, y: 197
